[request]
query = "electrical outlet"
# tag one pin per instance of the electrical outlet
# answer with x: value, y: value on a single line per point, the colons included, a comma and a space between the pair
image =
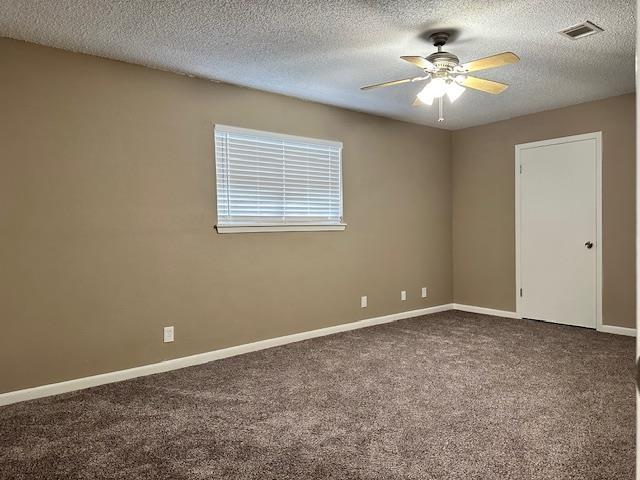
x: 363, y: 302
x: 403, y: 295
x: 424, y: 292
x: 168, y: 334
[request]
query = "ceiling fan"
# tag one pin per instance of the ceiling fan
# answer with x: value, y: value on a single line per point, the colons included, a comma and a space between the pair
x: 447, y: 76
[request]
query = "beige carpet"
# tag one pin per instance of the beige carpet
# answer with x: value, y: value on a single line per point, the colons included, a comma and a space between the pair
x: 446, y: 396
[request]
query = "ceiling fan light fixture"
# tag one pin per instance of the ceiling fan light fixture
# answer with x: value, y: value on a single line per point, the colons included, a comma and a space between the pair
x: 425, y: 96
x: 438, y: 87
x: 454, y: 91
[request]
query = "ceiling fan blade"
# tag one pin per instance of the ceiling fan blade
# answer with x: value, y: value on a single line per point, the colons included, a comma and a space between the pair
x: 493, y: 61
x: 488, y: 86
x: 393, y: 82
x: 421, y: 63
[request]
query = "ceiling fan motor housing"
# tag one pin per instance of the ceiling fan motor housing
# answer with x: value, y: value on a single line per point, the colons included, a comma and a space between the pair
x: 444, y: 60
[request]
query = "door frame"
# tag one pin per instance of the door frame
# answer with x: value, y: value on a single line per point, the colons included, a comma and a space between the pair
x: 597, y: 136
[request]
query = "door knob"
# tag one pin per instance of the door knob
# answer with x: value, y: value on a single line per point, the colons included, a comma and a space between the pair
x: 589, y: 245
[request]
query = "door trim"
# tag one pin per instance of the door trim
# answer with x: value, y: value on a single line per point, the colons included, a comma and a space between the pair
x: 597, y: 136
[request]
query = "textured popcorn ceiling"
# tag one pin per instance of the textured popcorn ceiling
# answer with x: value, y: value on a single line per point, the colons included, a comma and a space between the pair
x: 324, y: 50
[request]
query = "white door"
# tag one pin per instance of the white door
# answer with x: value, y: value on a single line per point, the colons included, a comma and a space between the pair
x: 558, y: 230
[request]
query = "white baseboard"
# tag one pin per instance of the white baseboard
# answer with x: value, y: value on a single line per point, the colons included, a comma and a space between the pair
x: 174, y: 364
x: 484, y: 311
x: 177, y: 363
x: 629, y: 332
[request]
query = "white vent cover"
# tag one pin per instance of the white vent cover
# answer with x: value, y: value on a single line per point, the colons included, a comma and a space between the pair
x: 581, y: 30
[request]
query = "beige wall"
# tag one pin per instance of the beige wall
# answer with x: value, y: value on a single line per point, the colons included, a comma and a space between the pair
x: 107, y: 203
x: 483, y: 203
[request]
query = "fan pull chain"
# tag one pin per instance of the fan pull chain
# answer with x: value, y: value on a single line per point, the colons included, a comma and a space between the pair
x: 440, y: 110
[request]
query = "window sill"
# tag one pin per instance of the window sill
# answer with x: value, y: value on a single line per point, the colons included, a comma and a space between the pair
x: 279, y: 228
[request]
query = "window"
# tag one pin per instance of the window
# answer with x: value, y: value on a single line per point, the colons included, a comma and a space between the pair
x: 273, y: 182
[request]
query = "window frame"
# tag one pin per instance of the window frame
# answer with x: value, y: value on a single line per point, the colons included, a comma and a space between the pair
x: 295, y: 226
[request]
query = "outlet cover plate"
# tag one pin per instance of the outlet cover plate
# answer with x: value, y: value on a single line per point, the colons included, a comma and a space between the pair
x: 168, y: 334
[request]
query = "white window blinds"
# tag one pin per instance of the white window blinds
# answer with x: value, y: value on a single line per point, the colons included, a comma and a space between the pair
x: 272, y: 179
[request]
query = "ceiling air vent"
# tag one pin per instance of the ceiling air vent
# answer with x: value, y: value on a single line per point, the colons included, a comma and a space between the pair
x: 581, y: 30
